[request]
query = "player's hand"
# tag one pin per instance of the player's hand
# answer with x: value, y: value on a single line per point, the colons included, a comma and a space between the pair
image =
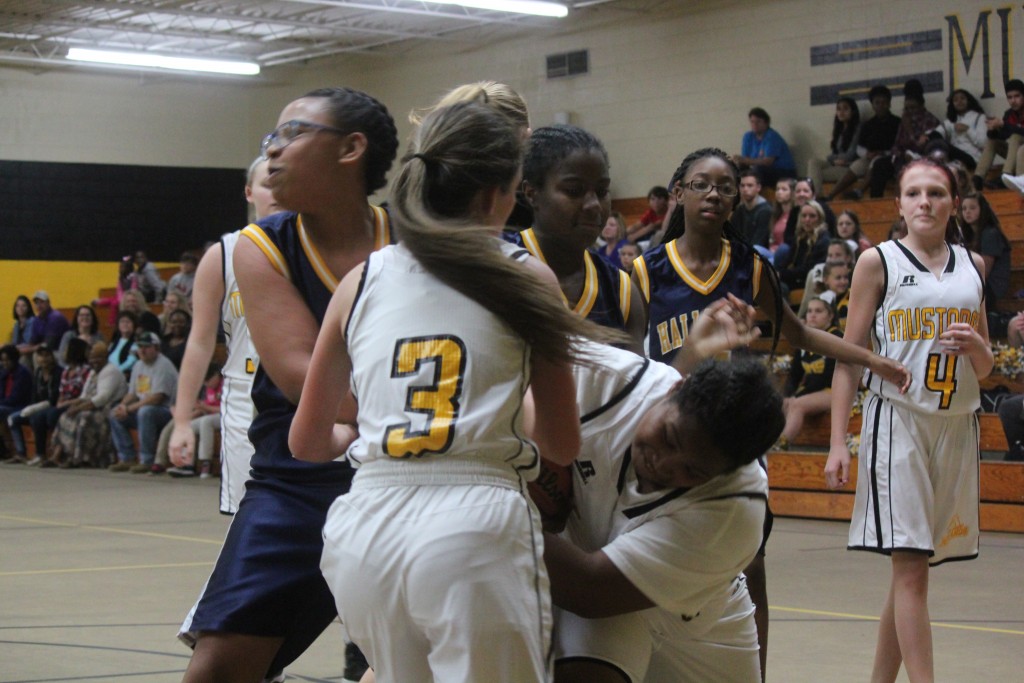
x: 837, y: 467
x: 961, y: 339
x: 182, y: 446
x: 892, y: 371
x: 724, y: 325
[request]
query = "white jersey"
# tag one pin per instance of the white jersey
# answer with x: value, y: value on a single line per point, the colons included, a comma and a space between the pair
x: 916, y: 308
x: 242, y: 359
x: 437, y: 376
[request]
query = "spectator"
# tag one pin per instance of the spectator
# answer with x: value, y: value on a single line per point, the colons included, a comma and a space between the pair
x: 836, y: 276
x: 752, y: 215
x: 1005, y: 136
x: 172, y: 302
x: 628, y: 253
x: 848, y: 228
x: 804, y: 192
x: 150, y: 283
x: 1011, y: 409
x: 45, y: 394
x: 47, y: 327
x: 911, y: 138
x: 86, y: 328
x: 651, y: 220
x: 839, y: 251
x: 764, y: 148
x: 15, y: 394
x: 122, y: 355
x: 842, y: 148
x: 146, y: 406
x: 23, y: 321
x: 72, y: 382
x: 984, y: 235
x: 82, y: 437
x: 781, y: 206
x: 613, y: 236
x: 810, y: 245
x: 126, y: 279
x: 179, y: 323
x: 877, y: 136
x: 205, y: 422
x: 964, y: 129
x: 133, y: 303
x: 181, y: 282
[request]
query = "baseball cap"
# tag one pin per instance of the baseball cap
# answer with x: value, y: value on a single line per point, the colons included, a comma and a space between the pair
x: 41, y: 295
x: 148, y: 339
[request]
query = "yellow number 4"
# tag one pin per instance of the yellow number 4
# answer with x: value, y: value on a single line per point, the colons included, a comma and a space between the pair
x: 438, y: 401
x: 941, y: 377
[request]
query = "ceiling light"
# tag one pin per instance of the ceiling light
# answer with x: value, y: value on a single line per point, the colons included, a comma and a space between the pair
x: 164, y: 62
x: 538, y: 7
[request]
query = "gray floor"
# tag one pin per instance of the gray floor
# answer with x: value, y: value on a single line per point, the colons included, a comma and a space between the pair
x: 97, y: 569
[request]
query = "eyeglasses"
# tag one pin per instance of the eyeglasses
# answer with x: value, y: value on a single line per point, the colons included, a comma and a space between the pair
x: 283, y: 135
x: 704, y: 187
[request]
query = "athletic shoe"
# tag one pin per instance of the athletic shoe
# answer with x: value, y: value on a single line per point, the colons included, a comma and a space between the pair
x: 205, y: 469
x: 155, y: 469
x: 178, y: 472
x: 120, y: 466
x: 1014, y: 182
x: 141, y: 468
x: 34, y: 462
x: 14, y: 460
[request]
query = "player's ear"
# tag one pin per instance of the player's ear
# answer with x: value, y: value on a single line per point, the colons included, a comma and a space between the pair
x: 529, y: 192
x: 353, y: 146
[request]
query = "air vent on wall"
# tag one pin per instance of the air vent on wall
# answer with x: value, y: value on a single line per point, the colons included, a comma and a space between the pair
x: 568, y: 64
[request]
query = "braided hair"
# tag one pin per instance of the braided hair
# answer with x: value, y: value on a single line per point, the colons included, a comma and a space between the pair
x: 550, y: 145
x: 677, y: 226
x: 354, y: 111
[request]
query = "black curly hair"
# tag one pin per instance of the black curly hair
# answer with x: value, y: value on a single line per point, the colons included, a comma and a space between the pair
x: 355, y: 111
x: 736, y: 404
x: 549, y: 146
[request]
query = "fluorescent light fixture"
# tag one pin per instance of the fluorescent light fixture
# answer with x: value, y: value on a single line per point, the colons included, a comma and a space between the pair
x: 538, y: 7
x: 164, y: 62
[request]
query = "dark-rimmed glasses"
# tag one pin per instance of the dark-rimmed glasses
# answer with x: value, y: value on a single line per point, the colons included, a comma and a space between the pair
x: 283, y: 135
x: 704, y: 187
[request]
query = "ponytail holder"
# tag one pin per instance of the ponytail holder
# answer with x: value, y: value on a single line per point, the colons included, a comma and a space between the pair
x: 424, y: 158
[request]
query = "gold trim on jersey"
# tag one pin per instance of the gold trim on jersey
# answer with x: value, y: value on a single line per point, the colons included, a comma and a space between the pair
x: 758, y: 269
x: 315, y: 259
x: 704, y: 287
x: 624, y: 292
x: 381, y: 228
x: 640, y: 268
x: 269, y: 249
x: 589, y: 295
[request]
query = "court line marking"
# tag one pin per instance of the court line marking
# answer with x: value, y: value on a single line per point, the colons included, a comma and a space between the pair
x: 76, y: 570
x: 864, y: 617
x: 130, y: 532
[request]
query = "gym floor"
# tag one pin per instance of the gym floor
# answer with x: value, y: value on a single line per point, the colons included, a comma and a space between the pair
x: 98, y: 569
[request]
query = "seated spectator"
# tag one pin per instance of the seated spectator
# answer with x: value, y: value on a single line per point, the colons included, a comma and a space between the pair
x: 765, y: 149
x: 179, y: 323
x: 172, y: 302
x: 898, y: 230
x: 47, y: 327
x: 181, y: 282
x: 72, y: 382
x: 133, y: 303
x: 848, y: 228
x: 122, y: 351
x: 965, y: 129
x: 984, y: 235
x: 23, y: 321
x: 842, y: 148
x: 86, y: 328
x: 15, y: 394
x: 146, y: 407
x: 126, y: 279
x: 804, y: 192
x: 810, y: 246
x: 82, y: 437
x: 613, y: 236
x: 652, y: 218
x: 782, y: 204
x: 810, y: 377
x: 752, y: 215
x: 205, y: 423
x: 628, y: 253
x: 911, y: 138
x: 1005, y: 136
x: 840, y: 253
x: 151, y: 284
x: 836, y: 277
x: 877, y: 136
x: 45, y: 394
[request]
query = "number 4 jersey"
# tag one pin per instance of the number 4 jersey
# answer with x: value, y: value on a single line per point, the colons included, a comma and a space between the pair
x: 437, y: 376
x: 916, y: 308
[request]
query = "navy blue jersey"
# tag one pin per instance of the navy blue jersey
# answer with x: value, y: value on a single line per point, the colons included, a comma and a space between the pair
x: 676, y: 296
x: 286, y: 245
x: 606, y: 289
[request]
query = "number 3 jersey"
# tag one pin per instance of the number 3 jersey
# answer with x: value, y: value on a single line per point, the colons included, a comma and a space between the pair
x: 439, y: 379
x: 916, y: 308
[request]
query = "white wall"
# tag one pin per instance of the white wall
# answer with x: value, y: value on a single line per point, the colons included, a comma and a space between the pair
x: 661, y: 84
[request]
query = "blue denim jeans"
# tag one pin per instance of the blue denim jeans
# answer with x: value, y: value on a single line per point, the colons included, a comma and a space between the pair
x: 149, y: 420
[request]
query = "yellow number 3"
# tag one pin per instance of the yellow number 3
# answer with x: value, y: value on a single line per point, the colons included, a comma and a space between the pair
x: 944, y: 384
x: 438, y: 401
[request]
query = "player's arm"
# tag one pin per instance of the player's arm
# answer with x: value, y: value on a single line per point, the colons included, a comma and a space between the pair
x: 207, y: 294
x: 314, y: 435
x: 282, y: 327
x: 819, y: 341
x: 636, y: 323
x: 865, y: 293
x: 556, y: 418
x: 961, y: 339
x: 724, y: 325
x: 589, y: 584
